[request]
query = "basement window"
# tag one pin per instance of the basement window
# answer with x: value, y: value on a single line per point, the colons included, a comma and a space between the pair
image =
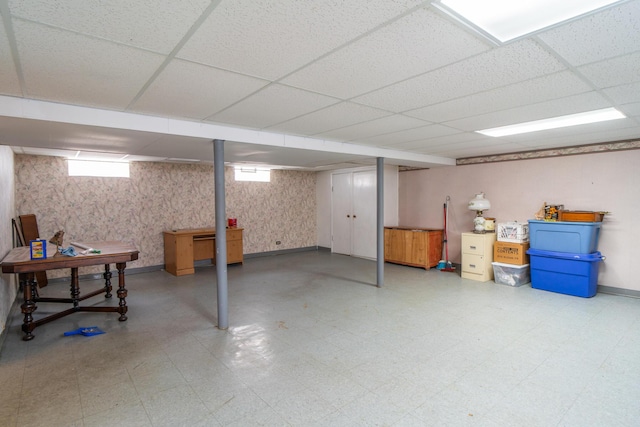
x: 98, y: 168
x: 252, y: 174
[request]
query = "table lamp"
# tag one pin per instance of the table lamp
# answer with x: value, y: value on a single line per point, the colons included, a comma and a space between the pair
x: 57, y: 239
x: 479, y: 204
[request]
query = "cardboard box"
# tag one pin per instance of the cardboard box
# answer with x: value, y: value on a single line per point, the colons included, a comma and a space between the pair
x: 511, y: 253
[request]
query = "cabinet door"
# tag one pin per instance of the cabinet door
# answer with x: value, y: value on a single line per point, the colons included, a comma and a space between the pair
x: 394, y: 245
x: 418, y: 249
x: 234, y: 251
x: 234, y: 246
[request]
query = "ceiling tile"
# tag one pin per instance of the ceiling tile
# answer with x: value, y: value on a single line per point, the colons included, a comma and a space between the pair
x: 624, y: 94
x: 123, y: 21
x: 405, y: 48
x: 9, y: 83
x: 185, y: 89
x: 618, y: 130
x: 272, y: 105
x: 100, y: 76
x: 384, y: 125
x: 613, y: 72
x: 631, y: 110
x: 531, y: 91
x: 501, y: 66
x: 612, y: 32
x: 333, y: 117
x: 278, y: 36
x: 543, y: 110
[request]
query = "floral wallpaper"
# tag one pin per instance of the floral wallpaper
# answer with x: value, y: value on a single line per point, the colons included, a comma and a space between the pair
x: 553, y: 152
x: 163, y: 196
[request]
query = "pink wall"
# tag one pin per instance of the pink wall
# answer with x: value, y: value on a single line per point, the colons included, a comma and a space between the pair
x: 607, y: 181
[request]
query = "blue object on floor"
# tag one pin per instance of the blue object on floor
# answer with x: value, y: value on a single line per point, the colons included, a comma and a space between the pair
x: 86, y: 331
x: 68, y: 251
x: 572, y: 274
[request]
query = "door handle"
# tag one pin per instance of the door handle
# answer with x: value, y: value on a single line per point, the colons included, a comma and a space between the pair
x: 348, y: 216
x: 354, y: 216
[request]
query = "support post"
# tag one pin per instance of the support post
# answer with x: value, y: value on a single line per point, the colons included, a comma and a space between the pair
x: 380, y: 220
x: 221, y: 234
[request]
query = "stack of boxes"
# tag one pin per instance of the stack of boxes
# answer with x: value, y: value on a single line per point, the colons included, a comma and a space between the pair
x: 510, y: 259
x: 564, y: 256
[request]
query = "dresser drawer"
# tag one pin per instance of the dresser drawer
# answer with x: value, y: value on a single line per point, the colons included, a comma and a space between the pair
x: 474, y: 264
x: 473, y: 244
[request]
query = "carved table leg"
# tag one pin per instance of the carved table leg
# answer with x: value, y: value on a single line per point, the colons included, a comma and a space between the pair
x: 107, y: 281
x: 75, y: 286
x: 28, y: 307
x: 122, y: 292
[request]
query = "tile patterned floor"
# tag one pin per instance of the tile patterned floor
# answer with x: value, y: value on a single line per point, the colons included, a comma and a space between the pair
x: 312, y: 342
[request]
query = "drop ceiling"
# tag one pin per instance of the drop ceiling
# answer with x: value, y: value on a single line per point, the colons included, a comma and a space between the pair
x: 301, y: 84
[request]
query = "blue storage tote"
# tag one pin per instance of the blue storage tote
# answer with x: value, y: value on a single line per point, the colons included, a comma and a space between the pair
x: 563, y: 236
x: 566, y: 273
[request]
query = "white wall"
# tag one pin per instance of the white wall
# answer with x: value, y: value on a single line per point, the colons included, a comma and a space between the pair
x: 8, y: 285
x: 608, y: 181
x: 323, y: 200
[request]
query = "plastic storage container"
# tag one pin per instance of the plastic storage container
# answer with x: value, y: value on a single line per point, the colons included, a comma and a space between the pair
x: 510, y: 274
x: 570, y: 237
x: 565, y: 273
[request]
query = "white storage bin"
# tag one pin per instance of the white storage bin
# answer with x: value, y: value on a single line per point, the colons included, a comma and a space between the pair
x: 514, y: 232
x: 511, y: 274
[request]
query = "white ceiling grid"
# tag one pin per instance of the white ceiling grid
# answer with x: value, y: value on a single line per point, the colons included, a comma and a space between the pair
x: 392, y: 78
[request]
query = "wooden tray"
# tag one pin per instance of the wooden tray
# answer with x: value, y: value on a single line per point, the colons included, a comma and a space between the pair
x: 580, y: 216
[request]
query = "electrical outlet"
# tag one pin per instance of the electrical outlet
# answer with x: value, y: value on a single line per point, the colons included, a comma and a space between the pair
x: 278, y: 242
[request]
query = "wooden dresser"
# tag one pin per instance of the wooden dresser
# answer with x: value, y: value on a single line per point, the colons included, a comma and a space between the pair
x: 417, y: 247
x: 183, y: 247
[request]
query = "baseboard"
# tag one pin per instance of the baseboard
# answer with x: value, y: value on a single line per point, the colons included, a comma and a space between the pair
x: 281, y: 252
x: 618, y: 291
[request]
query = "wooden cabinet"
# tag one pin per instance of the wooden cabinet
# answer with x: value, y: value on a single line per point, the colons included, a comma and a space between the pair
x: 477, y: 255
x: 417, y: 247
x: 234, y: 246
x: 183, y: 247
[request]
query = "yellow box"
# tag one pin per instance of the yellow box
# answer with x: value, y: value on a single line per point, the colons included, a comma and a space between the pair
x: 38, y: 249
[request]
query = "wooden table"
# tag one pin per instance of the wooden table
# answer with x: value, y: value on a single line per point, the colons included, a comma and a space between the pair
x: 18, y: 261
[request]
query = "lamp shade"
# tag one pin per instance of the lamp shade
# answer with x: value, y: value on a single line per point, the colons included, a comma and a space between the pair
x: 479, y: 203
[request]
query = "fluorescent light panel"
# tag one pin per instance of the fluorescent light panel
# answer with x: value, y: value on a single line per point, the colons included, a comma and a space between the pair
x: 509, y: 19
x: 556, y: 122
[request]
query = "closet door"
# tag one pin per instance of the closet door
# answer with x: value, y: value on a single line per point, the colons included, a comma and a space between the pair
x: 354, y: 213
x: 364, y: 238
x: 341, y: 195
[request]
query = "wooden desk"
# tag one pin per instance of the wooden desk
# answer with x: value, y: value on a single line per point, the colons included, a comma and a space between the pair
x: 183, y: 247
x: 18, y: 261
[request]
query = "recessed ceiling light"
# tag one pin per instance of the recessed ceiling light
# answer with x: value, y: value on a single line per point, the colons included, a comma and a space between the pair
x: 556, y: 122
x: 506, y: 20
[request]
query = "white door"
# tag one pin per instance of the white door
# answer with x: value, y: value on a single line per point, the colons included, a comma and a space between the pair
x: 364, y: 214
x: 341, y: 200
x: 354, y: 213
